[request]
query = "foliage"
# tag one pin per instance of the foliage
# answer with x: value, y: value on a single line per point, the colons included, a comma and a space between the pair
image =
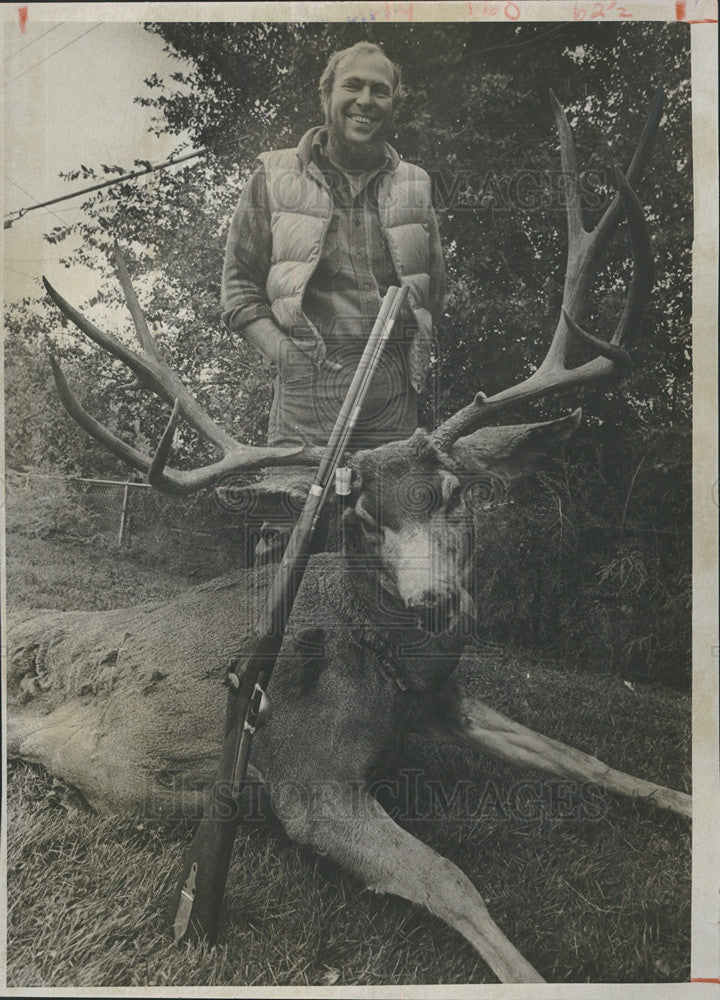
x: 605, y: 557
x: 478, y: 118
x: 44, y: 513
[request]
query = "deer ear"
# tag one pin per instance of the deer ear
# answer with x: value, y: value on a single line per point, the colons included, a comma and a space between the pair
x: 512, y: 449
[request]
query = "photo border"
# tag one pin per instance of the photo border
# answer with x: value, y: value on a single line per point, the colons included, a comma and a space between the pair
x: 702, y: 16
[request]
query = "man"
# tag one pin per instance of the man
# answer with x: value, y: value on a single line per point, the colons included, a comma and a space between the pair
x: 318, y: 236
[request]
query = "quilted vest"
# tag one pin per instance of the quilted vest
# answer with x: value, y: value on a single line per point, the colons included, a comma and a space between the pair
x: 301, y: 207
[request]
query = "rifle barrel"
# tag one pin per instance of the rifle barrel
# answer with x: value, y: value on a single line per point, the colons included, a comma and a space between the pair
x: 196, y: 910
x: 367, y: 363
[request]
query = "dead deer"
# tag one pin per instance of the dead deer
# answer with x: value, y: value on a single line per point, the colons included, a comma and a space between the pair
x: 126, y: 705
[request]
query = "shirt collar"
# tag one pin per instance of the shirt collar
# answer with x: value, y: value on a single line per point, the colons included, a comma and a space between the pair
x: 312, y: 148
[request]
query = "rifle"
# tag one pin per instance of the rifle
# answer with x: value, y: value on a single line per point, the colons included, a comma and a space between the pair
x: 196, y: 910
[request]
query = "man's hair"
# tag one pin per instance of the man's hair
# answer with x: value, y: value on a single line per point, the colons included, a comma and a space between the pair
x: 328, y: 78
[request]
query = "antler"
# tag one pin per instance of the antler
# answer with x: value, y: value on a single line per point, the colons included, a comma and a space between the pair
x: 152, y: 372
x: 584, y: 250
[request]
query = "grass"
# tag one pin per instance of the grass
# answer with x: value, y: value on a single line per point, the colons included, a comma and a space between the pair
x: 602, y: 900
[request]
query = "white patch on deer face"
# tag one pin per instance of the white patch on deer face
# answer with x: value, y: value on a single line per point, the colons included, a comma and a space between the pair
x: 427, y: 561
x: 417, y: 527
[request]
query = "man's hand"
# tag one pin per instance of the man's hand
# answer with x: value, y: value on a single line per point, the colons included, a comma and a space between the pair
x: 272, y: 343
x: 290, y: 360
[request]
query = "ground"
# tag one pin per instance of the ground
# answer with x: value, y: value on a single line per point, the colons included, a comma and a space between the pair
x: 603, y: 898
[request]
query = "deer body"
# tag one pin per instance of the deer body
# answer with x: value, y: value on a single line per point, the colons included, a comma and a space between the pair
x: 127, y: 705
x: 375, y: 633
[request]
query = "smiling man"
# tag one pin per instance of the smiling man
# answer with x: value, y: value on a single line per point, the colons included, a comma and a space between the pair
x: 320, y: 233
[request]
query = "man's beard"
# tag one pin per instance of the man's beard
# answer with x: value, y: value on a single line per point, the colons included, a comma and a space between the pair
x: 353, y: 154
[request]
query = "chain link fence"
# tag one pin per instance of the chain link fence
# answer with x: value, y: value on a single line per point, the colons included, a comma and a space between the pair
x: 124, y: 513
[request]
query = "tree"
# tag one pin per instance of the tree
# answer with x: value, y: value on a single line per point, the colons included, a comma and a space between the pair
x: 478, y: 118
x: 39, y: 434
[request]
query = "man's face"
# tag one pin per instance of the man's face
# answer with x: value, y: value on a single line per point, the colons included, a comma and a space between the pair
x: 361, y: 101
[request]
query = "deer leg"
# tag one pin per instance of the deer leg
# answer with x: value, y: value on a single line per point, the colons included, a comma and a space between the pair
x: 465, y: 721
x: 358, y: 834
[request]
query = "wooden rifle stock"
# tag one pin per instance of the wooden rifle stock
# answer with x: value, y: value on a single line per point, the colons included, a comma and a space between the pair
x: 196, y: 907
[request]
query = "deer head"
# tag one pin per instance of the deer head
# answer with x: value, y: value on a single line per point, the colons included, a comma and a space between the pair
x: 412, y: 500
x: 417, y: 510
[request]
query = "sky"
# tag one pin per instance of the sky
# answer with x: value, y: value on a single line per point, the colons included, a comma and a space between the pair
x: 68, y: 99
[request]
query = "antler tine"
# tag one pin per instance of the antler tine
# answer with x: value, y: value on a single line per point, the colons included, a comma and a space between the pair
x: 147, y: 341
x: 156, y: 472
x: 154, y: 373
x: 104, y: 340
x: 606, y: 349
x: 584, y: 249
x: 643, y: 274
x: 242, y: 458
x: 637, y: 167
x: 93, y: 427
x: 568, y: 160
x: 168, y: 480
x: 641, y: 283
